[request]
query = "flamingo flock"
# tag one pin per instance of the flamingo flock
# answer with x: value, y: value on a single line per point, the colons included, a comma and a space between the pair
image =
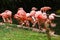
x: 35, y: 17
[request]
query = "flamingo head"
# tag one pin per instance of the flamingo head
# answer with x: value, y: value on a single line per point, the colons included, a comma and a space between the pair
x: 34, y: 8
x: 6, y: 11
x: 53, y: 14
x: 20, y: 8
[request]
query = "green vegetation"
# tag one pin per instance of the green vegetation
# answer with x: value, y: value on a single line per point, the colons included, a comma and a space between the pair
x: 58, y: 12
x: 11, y: 32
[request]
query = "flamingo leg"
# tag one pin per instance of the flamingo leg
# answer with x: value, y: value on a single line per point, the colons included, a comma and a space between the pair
x: 7, y: 19
x: 10, y: 20
x: 4, y: 19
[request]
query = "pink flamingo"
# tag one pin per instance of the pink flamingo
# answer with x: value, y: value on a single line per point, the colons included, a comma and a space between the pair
x: 44, y: 9
x: 6, y: 15
x: 32, y: 15
x: 42, y: 16
x: 21, y: 16
x: 51, y: 18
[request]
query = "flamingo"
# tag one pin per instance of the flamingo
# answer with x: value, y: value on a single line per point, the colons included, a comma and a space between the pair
x: 21, y: 16
x: 6, y: 15
x: 51, y: 18
x: 41, y: 17
x: 32, y: 15
x: 46, y: 8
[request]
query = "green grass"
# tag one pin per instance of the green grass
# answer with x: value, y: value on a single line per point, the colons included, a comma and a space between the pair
x: 14, y: 33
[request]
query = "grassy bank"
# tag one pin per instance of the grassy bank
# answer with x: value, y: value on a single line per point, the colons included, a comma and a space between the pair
x: 13, y: 33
